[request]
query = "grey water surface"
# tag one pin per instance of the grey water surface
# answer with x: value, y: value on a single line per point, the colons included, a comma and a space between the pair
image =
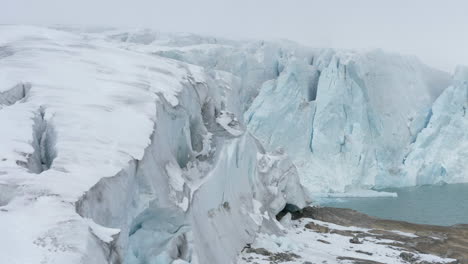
x: 445, y: 204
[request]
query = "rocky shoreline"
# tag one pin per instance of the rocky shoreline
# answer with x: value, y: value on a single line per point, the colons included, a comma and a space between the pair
x: 336, y: 235
x: 442, y: 241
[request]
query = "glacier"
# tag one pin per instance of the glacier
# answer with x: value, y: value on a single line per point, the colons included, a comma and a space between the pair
x: 135, y: 146
x: 125, y: 157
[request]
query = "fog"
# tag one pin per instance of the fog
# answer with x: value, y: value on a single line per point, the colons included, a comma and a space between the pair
x: 435, y: 31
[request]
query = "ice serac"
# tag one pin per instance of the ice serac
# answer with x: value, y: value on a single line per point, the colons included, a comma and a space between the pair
x: 440, y: 152
x: 196, y: 195
x: 250, y: 62
x: 350, y: 129
x: 124, y: 156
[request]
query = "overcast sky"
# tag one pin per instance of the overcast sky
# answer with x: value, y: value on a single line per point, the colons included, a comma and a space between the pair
x: 434, y: 30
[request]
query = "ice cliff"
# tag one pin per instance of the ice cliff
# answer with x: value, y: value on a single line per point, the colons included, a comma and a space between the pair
x: 440, y: 151
x: 349, y: 120
x: 133, y: 146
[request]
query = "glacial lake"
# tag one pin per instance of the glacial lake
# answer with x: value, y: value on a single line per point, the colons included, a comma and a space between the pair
x: 445, y: 204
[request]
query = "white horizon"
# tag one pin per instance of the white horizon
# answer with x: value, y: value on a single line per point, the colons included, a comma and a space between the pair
x: 431, y: 30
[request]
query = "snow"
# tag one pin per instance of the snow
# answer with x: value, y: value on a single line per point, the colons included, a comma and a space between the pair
x: 335, y: 226
x: 404, y: 233
x: 175, y: 177
x: 103, y: 233
x: 317, y: 247
x: 356, y: 194
x: 230, y: 123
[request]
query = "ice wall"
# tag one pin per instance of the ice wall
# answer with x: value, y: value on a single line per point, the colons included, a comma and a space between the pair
x: 347, y: 118
x: 440, y: 152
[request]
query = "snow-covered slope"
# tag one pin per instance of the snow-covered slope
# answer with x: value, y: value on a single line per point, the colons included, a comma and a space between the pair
x: 110, y: 155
